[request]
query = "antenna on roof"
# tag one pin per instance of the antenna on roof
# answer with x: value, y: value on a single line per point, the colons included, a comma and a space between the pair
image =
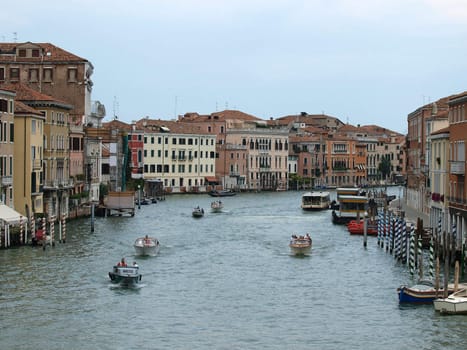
x: 15, y: 36
x: 115, y: 108
x: 175, y: 107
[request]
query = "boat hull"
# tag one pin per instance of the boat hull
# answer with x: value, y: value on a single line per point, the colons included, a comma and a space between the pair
x: 223, y: 193
x: 300, y: 246
x: 455, y: 304
x: 407, y: 295
x: 357, y: 228
x: 448, y: 307
x: 125, y: 275
x: 300, y: 250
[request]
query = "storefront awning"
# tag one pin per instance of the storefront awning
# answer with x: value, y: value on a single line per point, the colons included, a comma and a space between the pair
x: 9, y: 215
x: 211, y: 179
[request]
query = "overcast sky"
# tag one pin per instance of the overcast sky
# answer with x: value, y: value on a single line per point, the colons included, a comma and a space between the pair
x: 362, y: 61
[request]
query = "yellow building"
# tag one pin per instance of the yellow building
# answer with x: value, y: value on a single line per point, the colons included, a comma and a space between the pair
x: 29, y: 128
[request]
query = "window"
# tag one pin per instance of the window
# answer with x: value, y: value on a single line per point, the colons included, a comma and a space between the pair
x: 12, y: 132
x: 72, y: 74
x: 48, y: 74
x: 35, y: 52
x: 2, y: 73
x: 22, y: 52
x: 14, y: 73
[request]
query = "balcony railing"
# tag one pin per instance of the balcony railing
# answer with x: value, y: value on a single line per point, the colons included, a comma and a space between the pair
x: 36, y: 164
x: 7, y: 180
x: 457, y: 167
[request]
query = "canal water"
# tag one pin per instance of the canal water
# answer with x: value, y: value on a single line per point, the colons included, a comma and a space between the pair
x: 225, y: 281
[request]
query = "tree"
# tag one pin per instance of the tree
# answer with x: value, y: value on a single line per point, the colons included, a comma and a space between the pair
x: 384, y: 167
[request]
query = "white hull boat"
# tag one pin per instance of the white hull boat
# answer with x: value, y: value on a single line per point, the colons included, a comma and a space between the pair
x: 146, y: 246
x: 125, y: 275
x: 217, y: 206
x: 454, y: 304
x: 300, y: 245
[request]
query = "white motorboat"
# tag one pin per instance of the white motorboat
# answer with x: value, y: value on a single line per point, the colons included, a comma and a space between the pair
x: 454, y: 304
x: 300, y: 245
x: 146, y: 246
x: 217, y: 206
x: 125, y: 275
x: 316, y: 200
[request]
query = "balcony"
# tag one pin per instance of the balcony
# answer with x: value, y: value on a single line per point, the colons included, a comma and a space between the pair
x: 457, y: 167
x: 36, y: 164
x: 7, y: 180
x: 58, y: 184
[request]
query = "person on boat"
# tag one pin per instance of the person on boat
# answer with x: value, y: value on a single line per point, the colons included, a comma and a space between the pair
x: 146, y: 239
x: 135, y: 264
x: 122, y: 262
x: 307, y: 236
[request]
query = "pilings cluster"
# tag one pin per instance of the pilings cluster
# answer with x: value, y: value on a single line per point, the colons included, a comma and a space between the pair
x: 405, y: 240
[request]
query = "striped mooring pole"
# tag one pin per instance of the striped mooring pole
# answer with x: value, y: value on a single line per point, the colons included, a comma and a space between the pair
x: 431, y: 270
x: 412, y: 250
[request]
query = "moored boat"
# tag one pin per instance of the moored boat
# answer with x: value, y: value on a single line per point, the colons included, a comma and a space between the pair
x: 125, y: 275
x: 353, y: 205
x: 316, y: 200
x: 300, y: 245
x: 423, y: 292
x: 358, y: 227
x: 222, y: 193
x: 454, y: 304
x: 146, y: 246
x: 217, y: 206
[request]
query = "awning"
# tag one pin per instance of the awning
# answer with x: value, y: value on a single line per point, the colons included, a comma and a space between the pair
x: 211, y: 179
x: 9, y: 215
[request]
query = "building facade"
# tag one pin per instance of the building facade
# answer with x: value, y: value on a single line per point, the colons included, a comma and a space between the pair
x: 7, y: 103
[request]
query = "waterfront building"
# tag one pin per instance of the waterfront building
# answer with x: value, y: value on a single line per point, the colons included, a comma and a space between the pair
x: 420, y: 126
x: 55, y: 177
x: 251, y: 154
x: 28, y: 135
x: 439, y: 178
x: 7, y: 103
x: 457, y: 160
x: 55, y: 72
x: 180, y: 155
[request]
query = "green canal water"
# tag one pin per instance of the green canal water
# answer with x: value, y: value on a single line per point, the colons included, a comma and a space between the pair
x: 225, y: 281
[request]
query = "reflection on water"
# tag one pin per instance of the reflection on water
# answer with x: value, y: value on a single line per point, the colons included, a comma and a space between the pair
x: 225, y: 281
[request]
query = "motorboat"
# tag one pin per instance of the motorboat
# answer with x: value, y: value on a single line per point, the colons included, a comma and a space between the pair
x: 423, y: 292
x: 316, y: 200
x: 222, y: 193
x: 217, y: 206
x: 358, y: 227
x: 198, y: 212
x: 146, y: 246
x: 125, y: 275
x: 454, y: 304
x: 300, y: 245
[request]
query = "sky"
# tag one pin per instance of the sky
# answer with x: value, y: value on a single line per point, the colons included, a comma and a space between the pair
x: 367, y: 62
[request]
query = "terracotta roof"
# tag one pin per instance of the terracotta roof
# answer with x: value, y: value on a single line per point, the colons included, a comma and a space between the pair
x: 220, y: 116
x: 21, y: 108
x: 169, y: 126
x: 25, y: 93
x: 50, y: 53
x: 445, y: 130
x: 117, y: 124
